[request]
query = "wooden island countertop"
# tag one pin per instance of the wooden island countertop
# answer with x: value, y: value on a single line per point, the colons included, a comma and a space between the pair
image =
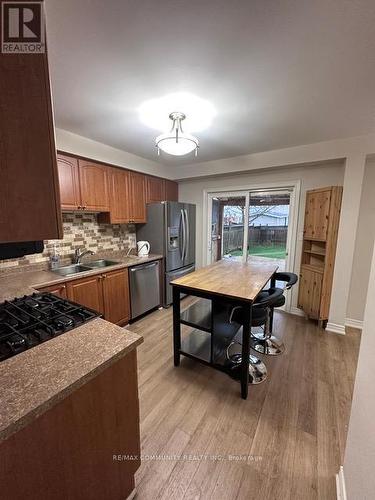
x: 232, y: 279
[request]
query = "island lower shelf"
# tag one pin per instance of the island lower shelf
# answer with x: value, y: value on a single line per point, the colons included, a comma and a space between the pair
x: 211, y: 332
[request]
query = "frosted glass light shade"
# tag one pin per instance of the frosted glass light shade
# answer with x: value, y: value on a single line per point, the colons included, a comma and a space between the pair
x: 185, y: 144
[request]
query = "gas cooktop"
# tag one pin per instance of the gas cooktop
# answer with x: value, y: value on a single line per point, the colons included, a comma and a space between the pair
x: 28, y: 321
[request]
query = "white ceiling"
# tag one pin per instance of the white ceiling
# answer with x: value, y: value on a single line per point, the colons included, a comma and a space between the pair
x: 279, y: 73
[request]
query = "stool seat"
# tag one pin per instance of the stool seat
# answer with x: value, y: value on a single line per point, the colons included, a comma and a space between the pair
x: 258, y: 316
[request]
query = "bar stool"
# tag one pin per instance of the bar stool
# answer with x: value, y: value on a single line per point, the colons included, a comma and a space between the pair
x: 265, y: 342
x: 259, y: 317
x: 289, y: 279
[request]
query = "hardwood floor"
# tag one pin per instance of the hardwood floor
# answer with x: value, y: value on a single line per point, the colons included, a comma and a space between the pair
x: 292, y: 427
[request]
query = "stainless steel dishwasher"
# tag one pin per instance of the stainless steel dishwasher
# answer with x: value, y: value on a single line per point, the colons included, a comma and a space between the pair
x: 144, y: 288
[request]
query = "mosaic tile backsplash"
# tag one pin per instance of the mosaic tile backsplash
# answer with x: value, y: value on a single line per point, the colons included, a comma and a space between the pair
x: 80, y: 230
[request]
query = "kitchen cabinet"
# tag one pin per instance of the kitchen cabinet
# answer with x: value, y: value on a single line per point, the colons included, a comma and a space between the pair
x: 137, y: 197
x: 29, y: 194
x: 155, y: 189
x: 119, y: 210
x: 75, y: 439
x: 93, y: 179
x: 311, y: 287
x: 116, y: 297
x: 83, y: 185
x: 59, y: 290
x: 88, y: 292
x: 171, y: 190
x: 106, y: 293
x: 322, y: 217
x: 317, y: 214
x: 70, y: 191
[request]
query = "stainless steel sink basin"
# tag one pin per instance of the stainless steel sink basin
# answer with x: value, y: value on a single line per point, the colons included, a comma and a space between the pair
x: 101, y: 263
x: 73, y: 269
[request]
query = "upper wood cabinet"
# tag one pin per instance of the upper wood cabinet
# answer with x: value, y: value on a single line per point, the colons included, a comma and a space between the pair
x: 317, y: 214
x: 83, y: 185
x: 93, y: 179
x: 160, y: 190
x: 29, y: 195
x: 137, y: 197
x: 171, y: 190
x: 119, y: 195
x: 155, y: 189
x: 70, y: 193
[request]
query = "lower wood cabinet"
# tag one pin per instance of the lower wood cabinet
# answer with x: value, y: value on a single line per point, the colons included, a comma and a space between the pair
x: 310, y: 292
x: 70, y: 451
x: 116, y: 297
x: 88, y: 292
x: 106, y: 293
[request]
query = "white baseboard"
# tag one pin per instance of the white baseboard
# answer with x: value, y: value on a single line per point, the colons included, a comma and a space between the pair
x: 340, y: 485
x: 335, y: 328
x: 296, y: 311
x: 354, y: 323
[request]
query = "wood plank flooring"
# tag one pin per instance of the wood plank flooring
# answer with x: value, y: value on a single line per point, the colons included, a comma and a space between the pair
x: 200, y: 440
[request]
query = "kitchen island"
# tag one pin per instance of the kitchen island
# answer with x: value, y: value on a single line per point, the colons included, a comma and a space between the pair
x: 222, y: 285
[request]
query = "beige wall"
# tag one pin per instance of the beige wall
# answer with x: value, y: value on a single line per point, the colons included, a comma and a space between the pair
x: 360, y: 447
x: 311, y: 177
x: 363, y: 246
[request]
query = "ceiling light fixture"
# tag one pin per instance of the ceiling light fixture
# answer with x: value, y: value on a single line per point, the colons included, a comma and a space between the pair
x: 177, y: 142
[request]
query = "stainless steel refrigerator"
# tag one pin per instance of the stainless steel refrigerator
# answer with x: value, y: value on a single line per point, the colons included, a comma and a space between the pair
x: 170, y: 230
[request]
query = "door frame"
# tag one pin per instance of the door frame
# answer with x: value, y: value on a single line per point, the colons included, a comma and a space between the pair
x: 295, y: 192
x: 229, y: 194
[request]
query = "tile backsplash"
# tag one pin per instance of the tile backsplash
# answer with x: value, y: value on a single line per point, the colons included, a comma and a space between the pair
x: 81, y: 230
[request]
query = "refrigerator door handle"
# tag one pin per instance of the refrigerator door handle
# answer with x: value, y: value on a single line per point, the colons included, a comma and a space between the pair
x: 183, y: 235
x: 187, y: 233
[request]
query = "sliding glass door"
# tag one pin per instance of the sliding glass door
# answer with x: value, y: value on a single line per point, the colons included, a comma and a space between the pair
x: 251, y: 226
x: 268, y: 227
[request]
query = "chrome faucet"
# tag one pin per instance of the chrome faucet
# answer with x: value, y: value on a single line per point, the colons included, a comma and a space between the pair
x: 78, y: 255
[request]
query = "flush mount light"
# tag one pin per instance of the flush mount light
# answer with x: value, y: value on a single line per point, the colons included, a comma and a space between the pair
x: 177, y: 142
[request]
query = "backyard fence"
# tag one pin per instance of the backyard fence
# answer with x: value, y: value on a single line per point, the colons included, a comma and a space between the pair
x: 258, y: 235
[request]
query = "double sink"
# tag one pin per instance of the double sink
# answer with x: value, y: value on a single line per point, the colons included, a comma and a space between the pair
x: 81, y: 268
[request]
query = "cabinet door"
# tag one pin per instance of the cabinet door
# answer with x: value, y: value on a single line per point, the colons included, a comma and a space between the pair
x: 70, y: 195
x: 155, y: 189
x: 116, y: 297
x: 59, y: 290
x: 310, y: 291
x: 171, y: 191
x: 137, y: 197
x: 317, y: 214
x: 94, y: 186
x: 119, y: 196
x: 29, y: 188
x: 87, y: 292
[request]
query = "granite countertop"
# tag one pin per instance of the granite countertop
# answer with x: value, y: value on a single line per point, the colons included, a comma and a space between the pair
x: 16, y: 283
x: 35, y: 380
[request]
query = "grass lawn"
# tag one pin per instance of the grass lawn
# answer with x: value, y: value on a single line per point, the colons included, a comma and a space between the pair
x: 272, y: 252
